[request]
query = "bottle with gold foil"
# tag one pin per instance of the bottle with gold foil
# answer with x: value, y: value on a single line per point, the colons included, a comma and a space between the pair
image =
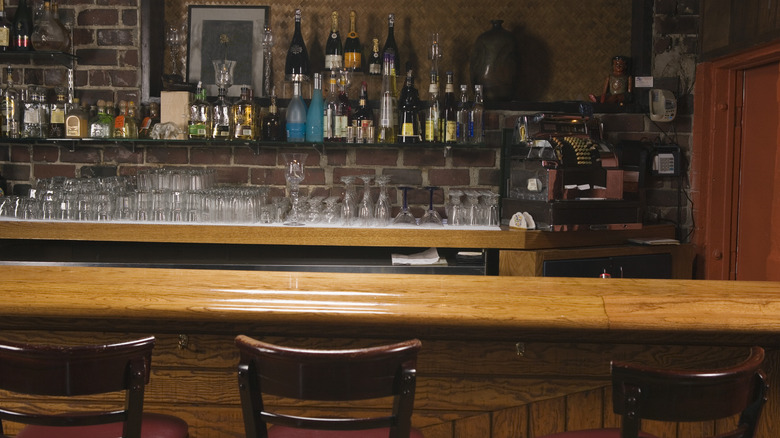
x: 450, y: 116
x: 244, y: 125
x: 433, y: 115
x: 334, y: 51
x: 375, y: 62
x: 57, y: 112
x: 352, y: 48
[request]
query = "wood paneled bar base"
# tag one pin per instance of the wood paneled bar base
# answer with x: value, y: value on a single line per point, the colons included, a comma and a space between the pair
x: 502, y: 356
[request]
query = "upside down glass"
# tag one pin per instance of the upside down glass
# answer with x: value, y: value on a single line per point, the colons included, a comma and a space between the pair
x: 294, y: 173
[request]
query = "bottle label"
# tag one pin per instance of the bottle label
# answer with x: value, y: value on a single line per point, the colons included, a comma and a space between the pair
x: 375, y: 69
x: 332, y: 61
x: 119, y: 122
x: 340, y: 127
x: 451, y: 131
x: 5, y: 37
x: 430, y: 130
x: 352, y: 60
x: 296, y: 131
x: 407, y: 130
x: 197, y: 130
x: 57, y: 115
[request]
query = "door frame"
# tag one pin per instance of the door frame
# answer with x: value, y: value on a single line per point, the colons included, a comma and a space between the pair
x: 715, y: 163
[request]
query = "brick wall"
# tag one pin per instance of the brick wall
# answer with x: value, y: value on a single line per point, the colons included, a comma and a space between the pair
x: 106, y: 41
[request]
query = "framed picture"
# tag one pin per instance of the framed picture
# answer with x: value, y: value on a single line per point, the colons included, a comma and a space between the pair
x: 227, y: 32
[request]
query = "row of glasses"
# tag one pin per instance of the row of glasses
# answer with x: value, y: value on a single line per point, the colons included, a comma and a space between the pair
x: 479, y: 209
x: 430, y: 218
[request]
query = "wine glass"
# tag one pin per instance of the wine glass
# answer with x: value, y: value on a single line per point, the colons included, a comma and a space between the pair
x: 405, y: 217
x: 431, y: 218
x: 173, y: 37
x: 223, y: 73
x: 383, y: 209
x: 294, y: 173
x: 366, y: 208
x: 455, y: 208
x: 349, y: 205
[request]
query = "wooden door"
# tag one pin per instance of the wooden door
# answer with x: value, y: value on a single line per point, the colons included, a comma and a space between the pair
x: 757, y: 239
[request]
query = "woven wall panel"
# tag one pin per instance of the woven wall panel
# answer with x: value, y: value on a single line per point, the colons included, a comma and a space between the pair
x: 565, y: 45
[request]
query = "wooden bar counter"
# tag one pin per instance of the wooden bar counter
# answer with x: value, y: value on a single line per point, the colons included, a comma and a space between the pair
x: 502, y: 356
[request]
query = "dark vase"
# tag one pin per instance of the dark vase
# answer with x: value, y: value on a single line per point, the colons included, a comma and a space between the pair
x: 494, y: 63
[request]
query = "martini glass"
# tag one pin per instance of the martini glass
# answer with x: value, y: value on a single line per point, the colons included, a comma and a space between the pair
x: 405, y: 217
x: 294, y: 173
x: 349, y: 205
x: 366, y: 208
x: 431, y: 218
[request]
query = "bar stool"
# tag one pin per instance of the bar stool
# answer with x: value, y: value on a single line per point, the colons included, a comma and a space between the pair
x: 57, y: 371
x: 682, y: 395
x: 327, y: 375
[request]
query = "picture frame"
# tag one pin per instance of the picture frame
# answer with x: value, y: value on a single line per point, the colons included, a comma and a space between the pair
x: 244, y: 27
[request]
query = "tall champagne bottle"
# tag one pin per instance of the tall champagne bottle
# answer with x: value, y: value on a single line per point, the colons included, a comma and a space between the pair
x: 296, y: 67
x: 315, y: 113
x: 334, y: 52
x: 387, y: 108
x: 390, y: 48
x: 352, y: 48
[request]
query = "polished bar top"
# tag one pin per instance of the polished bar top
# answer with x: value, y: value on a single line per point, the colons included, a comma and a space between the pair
x: 279, y: 235
x: 386, y: 305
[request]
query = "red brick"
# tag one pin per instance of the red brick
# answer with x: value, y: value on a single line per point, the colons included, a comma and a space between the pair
x: 376, y: 156
x: 247, y: 155
x: 129, y: 58
x: 82, y: 154
x: 336, y: 157
x: 266, y: 176
x: 5, y: 152
x: 449, y: 177
x: 124, y: 78
x: 52, y: 170
x: 97, y: 56
x: 339, y: 172
x: 98, y: 17
x: 115, y: 37
x: 210, y: 155
x: 232, y: 175
x: 46, y: 153
x: 17, y: 172
x: 167, y: 155
x: 83, y: 37
x: 130, y: 17
x: 489, y: 177
x: 474, y: 157
x: 404, y: 177
x: 20, y: 153
x: 424, y: 157
x: 119, y: 154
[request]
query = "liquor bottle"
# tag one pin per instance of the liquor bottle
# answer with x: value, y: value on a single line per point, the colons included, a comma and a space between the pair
x: 5, y: 29
x: 101, y: 125
x: 315, y: 114
x: 149, y: 122
x: 23, y: 26
x: 334, y: 51
x: 296, y: 67
x: 244, y: 125
x: 476, y: 118
x: 464, y: 107
x: 387, y: 109
x: 271, y: 130
x: 409, y: 109
x: 345, y: 109
x: 132, y: 120
x: 375, y: 62
x: 57, y: 112
x: 31, y: 113
x: 433, y: 115
x: 9, y: 107
x: 450, y: 116
x: 199, y: 124
x: 390, y: 48
x: 295, y: 119
x: 353, y: 52
x: 125, y: 125
x: 76, y: 121
x: 47, y: 33
x: 331, y: 110
x: 220, y: 116
x: 363, y: 118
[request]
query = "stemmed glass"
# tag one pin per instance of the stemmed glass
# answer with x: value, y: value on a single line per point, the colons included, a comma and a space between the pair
x: 366, y: 208
x: 474, y: 213
x: 455, y: 209
x: 223, y: 73
x: 431, y: 218
x: 294, y: 173
x: 349, y: 205
x: 405, y: 217
x: 173, y: 37
x: 383, y: 209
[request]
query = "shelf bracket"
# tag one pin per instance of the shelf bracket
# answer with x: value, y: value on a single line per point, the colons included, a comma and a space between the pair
x: 322, y: 152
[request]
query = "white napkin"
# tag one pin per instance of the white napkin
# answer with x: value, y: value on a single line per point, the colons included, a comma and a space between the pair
x: 428, y: 257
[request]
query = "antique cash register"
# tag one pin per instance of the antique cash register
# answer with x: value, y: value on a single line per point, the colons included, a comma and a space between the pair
x: 561, y: 173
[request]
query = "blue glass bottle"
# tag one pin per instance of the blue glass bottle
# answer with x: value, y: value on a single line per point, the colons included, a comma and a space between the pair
x: 314, y: 117
x: 296, y: 116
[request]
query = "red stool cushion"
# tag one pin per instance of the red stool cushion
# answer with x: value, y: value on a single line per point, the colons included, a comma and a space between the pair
x: 154, y: 426
x: 291, y: 432
x: 594, y: 433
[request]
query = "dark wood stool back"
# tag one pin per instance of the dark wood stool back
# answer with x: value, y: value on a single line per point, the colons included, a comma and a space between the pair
x: 680, y: 395
x: 333, y: 375
x: 79, y: 371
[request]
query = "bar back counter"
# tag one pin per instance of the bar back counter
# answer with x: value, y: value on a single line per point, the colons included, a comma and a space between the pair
x: 502, y: 356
